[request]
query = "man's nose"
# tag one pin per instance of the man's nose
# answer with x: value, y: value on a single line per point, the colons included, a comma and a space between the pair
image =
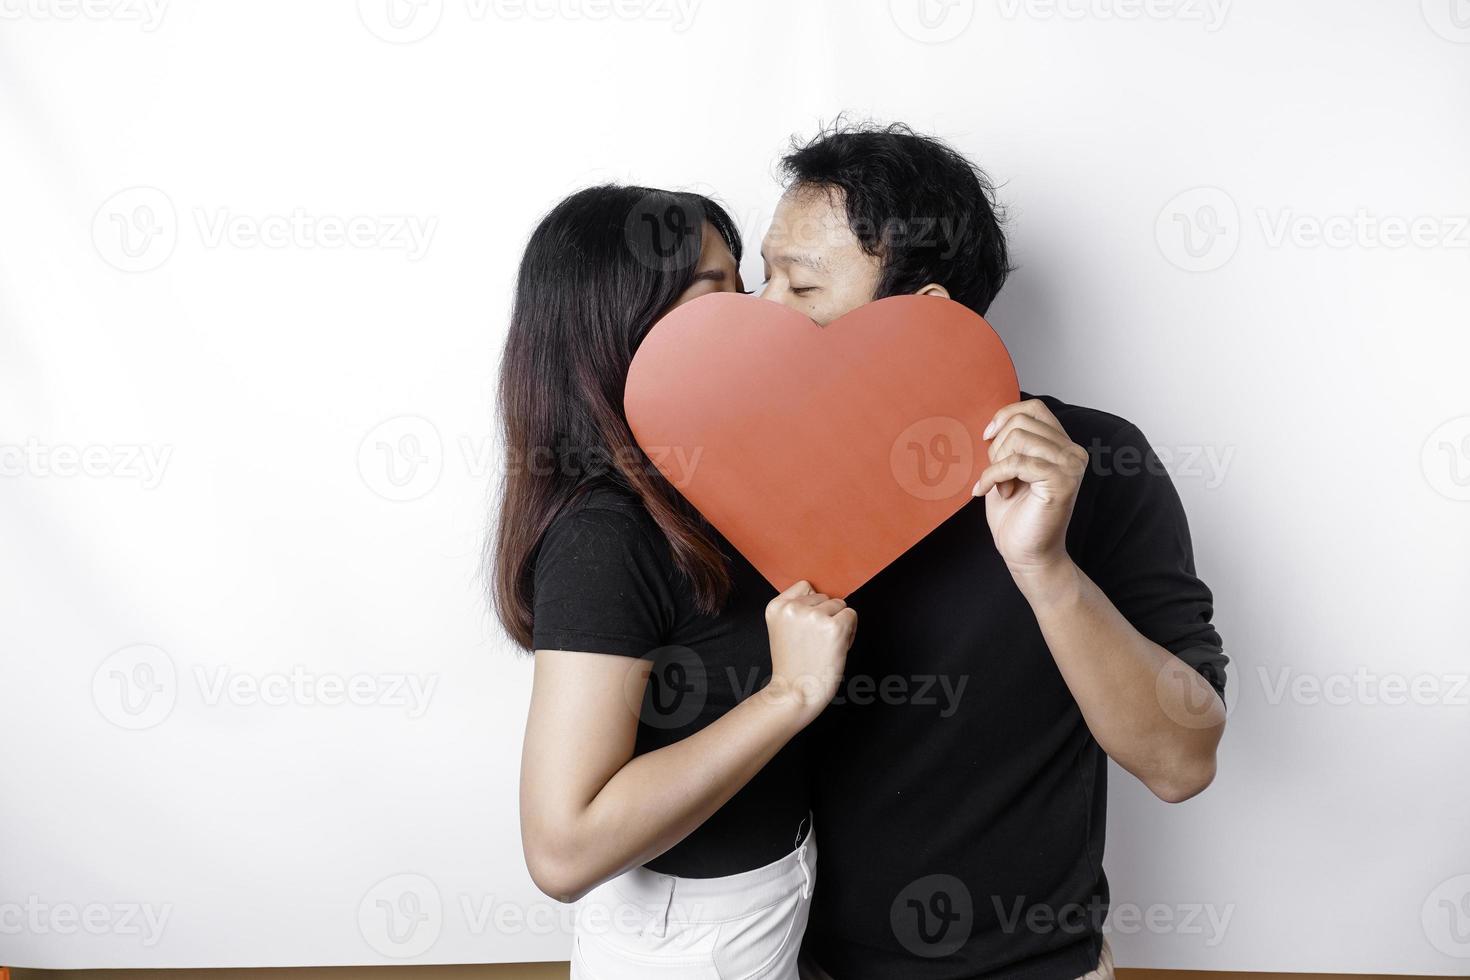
x: 772, y: 293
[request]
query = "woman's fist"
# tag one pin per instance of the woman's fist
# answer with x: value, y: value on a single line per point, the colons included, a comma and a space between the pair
x: 810, y: 635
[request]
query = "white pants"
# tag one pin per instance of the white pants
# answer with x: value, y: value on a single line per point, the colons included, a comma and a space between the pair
x: 643, y: 925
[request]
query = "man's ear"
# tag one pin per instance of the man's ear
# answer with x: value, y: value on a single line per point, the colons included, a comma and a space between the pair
x: 933, y: 289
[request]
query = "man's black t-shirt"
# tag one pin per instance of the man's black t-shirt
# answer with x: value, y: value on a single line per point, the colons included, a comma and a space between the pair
x: 960, y: 798
x: 605, y: 582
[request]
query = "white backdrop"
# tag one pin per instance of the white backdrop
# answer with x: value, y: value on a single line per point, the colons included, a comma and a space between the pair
x: 255, y: 263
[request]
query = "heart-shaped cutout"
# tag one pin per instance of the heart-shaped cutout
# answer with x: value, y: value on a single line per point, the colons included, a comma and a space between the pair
x: 821, y: 453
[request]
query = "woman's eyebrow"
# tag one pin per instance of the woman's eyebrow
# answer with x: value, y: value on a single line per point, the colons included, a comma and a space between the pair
x: 710, y: 275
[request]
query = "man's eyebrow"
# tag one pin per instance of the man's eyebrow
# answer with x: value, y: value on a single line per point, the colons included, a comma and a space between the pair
x: 810, y: 261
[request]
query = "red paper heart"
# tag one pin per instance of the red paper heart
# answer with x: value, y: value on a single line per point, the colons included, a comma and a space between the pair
x: 821, y: 453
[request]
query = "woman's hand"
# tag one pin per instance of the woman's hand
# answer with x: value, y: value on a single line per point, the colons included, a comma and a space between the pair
x: 590, y: 809
x: 810, y: 635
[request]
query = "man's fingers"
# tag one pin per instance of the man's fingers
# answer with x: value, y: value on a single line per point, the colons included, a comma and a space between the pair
x: 1028, y: 469
x: 1033, y: 407
x: 1029, y: 423
x: 1027, y: 442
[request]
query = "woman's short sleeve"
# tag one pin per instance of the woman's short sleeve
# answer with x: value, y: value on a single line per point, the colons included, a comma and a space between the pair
x: 602, y: 585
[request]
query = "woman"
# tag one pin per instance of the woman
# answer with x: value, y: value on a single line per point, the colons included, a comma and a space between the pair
x: 658, y: 787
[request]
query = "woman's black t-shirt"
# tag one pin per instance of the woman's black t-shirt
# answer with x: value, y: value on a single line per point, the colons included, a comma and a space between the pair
x: 605, y: 582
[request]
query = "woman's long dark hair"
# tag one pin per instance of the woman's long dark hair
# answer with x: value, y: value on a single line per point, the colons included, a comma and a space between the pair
x: 599, y: 270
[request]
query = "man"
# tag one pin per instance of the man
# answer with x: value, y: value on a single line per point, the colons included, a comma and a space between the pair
x: 961, y: 835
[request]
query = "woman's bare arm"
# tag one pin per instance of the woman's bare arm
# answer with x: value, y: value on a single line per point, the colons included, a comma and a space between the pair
x: 590, y: 810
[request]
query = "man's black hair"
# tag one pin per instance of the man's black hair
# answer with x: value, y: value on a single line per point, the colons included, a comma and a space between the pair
x: 915, y: 203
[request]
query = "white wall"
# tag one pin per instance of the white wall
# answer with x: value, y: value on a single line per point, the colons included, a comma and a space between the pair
x: 237, y: 518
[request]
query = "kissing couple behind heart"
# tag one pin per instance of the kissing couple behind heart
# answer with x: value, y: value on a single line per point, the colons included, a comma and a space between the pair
x: 694, y: 733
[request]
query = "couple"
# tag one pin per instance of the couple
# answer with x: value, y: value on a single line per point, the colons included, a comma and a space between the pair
x: 695, y: 740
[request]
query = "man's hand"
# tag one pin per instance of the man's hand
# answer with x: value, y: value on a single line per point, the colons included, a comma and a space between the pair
x: 1132, y: 692
x: 1029, y: 488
